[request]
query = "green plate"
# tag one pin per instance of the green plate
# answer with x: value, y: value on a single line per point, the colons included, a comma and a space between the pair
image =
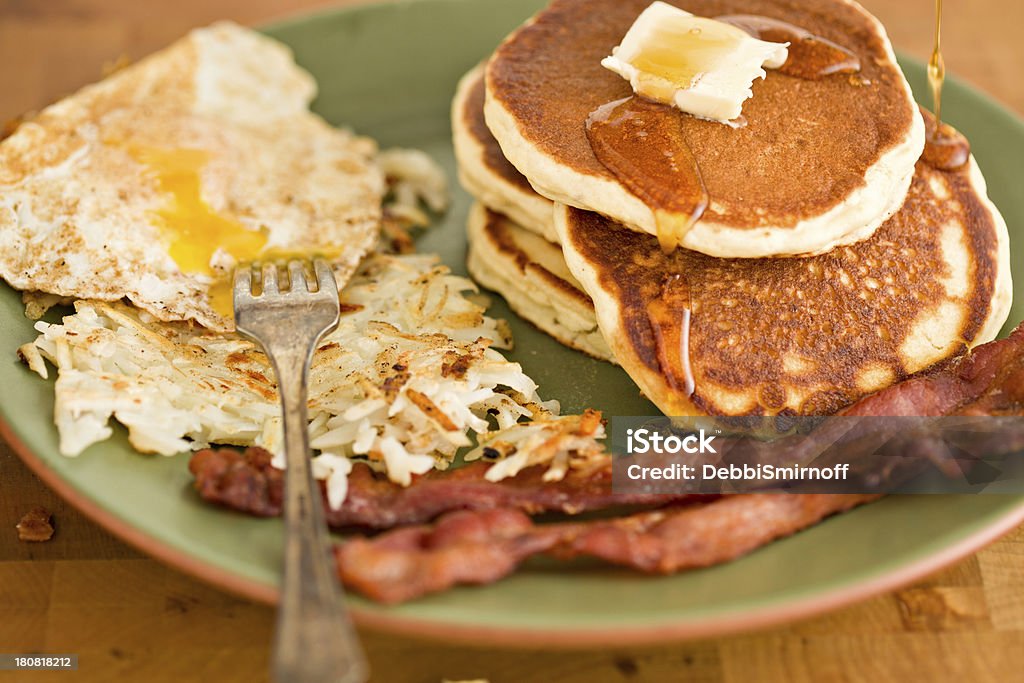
x: 390, y: 72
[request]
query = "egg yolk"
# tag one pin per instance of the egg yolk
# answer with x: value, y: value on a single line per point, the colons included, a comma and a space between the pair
x: 194, y: 230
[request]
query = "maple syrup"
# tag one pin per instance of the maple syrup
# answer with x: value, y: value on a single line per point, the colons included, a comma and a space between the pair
x: 811, y: 57
x: 937, y: 67
x: 642, y: 144
x: 669, y: 316
x: 945, y: 148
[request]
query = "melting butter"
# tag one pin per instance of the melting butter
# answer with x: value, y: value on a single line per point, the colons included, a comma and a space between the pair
x: 702, y: 66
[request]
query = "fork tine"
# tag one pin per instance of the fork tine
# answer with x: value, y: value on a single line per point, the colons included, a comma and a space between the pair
x: 297, y: 276
x: 270, y: 278
x: 325, y: 278
x: 243, y: 281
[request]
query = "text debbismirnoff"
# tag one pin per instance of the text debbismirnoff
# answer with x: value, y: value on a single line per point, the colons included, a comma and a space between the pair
x: 644, y: 441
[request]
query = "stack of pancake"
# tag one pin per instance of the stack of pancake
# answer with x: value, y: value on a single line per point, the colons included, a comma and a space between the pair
x: 834, y: 258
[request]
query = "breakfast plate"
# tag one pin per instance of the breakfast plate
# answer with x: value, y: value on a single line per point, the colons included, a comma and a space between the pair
x: 390, y: 72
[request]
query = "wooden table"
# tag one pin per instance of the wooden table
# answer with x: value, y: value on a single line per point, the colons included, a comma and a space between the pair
x: 130, y: 618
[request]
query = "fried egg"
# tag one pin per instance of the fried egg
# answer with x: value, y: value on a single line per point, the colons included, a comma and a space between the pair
x: 150, y: 185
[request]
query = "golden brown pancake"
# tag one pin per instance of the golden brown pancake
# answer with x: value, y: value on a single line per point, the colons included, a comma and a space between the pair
x: 531, y: 274
x: 806, y: 336
x: 510, y: 231
x: 819, y: 163
x: 483, y: 169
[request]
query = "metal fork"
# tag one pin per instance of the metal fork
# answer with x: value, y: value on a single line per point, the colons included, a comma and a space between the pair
x: 314, y: 639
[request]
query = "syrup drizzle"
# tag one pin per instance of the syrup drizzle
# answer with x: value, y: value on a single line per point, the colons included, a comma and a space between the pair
x: 811, y: 56
x: 937, y: 67
x: 945, y: 148
x: 642, y: 143
x: 669, y: 316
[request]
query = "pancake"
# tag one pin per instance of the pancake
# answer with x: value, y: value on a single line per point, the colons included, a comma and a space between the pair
x: 531, y: 274
x: 151, y: 184
x: 511, y: 230
x: 820, y: 163
x: 483, y: 169
x: 805, y: 336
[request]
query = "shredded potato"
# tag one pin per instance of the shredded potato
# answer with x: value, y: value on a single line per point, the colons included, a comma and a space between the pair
x: 409, y: 374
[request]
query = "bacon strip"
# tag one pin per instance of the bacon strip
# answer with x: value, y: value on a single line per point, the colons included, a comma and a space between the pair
x: 483, y: 546
x: 247, y: 482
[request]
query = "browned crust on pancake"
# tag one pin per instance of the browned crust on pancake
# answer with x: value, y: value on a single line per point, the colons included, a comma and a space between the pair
x: 842, y: 311
x: 807, y: 146
x: 492, y: 157
x: 497, y: 229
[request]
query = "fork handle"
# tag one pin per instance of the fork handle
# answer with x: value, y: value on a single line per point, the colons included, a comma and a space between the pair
x: 314, y: 639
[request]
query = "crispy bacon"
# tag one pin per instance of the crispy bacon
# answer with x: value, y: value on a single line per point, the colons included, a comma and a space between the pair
x: 483, y: 546
x: 248, y: 483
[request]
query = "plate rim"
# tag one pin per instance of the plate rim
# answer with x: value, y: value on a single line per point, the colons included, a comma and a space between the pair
x: 518, y: 637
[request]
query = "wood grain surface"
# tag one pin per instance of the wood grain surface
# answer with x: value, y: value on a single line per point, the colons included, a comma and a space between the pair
x: 130, y: 618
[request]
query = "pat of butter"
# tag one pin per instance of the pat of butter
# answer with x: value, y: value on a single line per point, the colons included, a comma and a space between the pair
x: 702, y: 66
